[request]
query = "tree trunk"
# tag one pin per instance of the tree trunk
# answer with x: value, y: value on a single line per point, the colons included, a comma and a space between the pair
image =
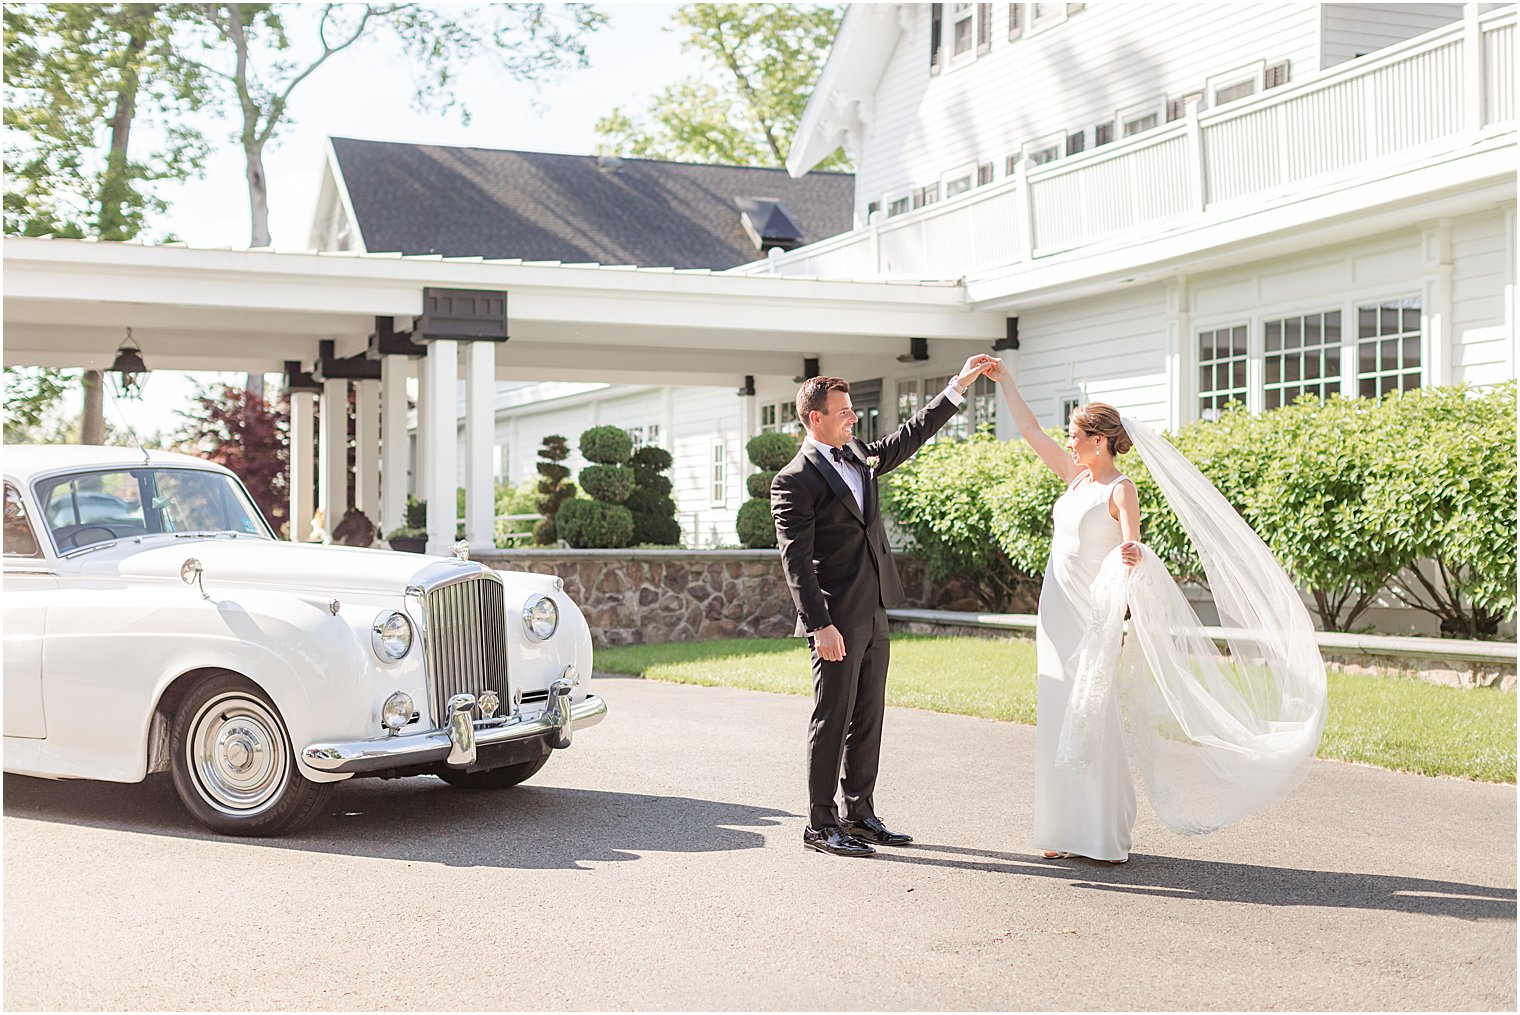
x: 92, y: 424
x: 258, y: 196
x: 115, y: 185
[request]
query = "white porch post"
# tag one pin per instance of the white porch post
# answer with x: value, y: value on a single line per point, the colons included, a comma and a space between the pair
x: 332, y: 488
x: 367, y: 449
x: 393, y: 445
x: 480, y: 433
x: 440, y: 449
x: 302, y: 491
x: 419, y: 466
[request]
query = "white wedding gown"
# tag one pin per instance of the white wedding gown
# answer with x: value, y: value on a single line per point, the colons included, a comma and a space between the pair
x: 1092, y: 812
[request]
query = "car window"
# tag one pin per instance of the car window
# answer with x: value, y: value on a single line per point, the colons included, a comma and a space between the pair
x: 19, y: 539
x: 99, y: 507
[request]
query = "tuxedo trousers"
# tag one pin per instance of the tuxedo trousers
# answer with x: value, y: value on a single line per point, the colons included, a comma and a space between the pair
x: 844, y: 737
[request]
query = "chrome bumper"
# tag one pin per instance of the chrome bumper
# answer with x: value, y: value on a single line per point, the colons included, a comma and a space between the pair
x: 457, y: 743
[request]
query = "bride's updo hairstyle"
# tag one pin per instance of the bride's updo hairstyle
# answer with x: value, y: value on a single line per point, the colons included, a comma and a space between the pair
x: 1099, y: 419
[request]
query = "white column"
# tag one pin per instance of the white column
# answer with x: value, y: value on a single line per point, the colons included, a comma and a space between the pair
x: 367, y: 449
x: 393, y: 446
x: 438, y: 454
x: 480, y: 438
x: 332, y: 450
x: 419, y: 467
x: 303, y: 501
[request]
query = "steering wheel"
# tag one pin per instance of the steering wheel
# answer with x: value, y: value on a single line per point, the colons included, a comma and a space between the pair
x: 69, y: 539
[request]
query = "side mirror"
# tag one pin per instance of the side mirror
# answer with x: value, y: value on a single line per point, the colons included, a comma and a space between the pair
x: 191, y: 572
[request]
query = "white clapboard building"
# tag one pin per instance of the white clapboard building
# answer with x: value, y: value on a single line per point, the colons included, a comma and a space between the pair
x: 1175, y: 205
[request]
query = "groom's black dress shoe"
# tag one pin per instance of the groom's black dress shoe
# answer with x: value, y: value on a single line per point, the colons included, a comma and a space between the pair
x: 829, y: 839
x: 872, y: 830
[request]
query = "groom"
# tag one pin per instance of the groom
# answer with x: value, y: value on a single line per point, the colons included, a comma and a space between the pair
x: 840, y: 572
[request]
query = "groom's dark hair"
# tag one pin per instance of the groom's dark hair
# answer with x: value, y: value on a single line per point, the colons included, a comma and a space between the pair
x: 813, y: 396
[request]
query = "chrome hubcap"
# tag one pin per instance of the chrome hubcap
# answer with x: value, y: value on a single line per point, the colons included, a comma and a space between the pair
x: 238, y: 752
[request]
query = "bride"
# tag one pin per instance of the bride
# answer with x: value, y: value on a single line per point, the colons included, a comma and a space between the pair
x: 1213, y: 735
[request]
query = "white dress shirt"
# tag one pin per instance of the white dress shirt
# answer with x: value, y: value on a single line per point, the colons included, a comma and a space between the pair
x: 852, y: 476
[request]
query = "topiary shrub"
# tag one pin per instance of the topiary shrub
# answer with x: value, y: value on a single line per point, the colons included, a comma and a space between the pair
x: 654, y: 513
x: 771, y: 451
x: 660, y: 530
x: 651, y: 459
x: 610, y: 483
x: 644, y: 501
x: 768, y: 452
x: 594, y: 524
x: 652, y: 482
x: 756, y: 526
x: 606, y: 445
x: 553, y: 489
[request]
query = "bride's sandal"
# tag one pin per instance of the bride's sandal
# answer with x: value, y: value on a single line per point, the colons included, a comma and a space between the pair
x: 1056, y: 855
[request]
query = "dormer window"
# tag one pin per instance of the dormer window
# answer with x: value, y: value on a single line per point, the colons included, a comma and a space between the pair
x: 767, y: 224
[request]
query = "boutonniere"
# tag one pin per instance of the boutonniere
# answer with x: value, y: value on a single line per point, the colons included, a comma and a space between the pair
x: 872, y: 461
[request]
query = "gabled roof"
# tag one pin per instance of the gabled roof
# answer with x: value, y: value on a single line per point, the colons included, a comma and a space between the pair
x: 843, y: 100
x: 494, y: 203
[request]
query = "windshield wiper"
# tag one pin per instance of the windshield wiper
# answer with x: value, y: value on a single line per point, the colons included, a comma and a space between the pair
x: 78, y: 550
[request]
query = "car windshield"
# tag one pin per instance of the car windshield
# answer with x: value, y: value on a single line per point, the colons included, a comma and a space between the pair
x: 98, y: 507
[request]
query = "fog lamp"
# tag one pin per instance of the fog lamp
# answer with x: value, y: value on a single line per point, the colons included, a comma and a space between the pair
x: 391, y: 635
x: 397, y: 711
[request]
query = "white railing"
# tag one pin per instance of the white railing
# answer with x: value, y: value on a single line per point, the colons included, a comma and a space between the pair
x: 1393, y: 104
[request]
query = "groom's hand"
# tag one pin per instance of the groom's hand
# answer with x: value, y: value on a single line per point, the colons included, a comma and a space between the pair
x: 974, y: 368
x: 829, y: 643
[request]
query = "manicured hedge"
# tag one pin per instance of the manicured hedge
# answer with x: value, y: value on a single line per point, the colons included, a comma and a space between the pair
x: 1411, y: 497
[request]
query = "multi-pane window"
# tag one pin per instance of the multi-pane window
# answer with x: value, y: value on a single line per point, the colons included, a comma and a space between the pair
x: 1048, y: 153
x: 932, y: 387
x: 963, y: 28
x: 1068, y: 406
x: 1222, y: 358
x: 644, y: 436
x: 908, y: 400
x: 719, y: 473
x: 1140, y: 124
x: 1238, y: 90
x: 1387, y: 347
x: 958, y: 182
x: 779, y: 417
x: 899, y: 206
x: 1301, y: 355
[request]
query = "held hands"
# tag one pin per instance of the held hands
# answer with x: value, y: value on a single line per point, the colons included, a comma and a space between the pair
x: 974, y: 368
x: 998, y: 371
x: 1130, y: 553
x: 829, y: 643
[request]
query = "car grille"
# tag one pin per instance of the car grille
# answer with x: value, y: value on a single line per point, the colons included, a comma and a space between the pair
x: 466, y: 637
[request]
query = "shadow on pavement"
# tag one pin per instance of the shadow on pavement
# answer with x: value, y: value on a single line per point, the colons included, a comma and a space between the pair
x: 1212, y: 881
x: 422, y: 820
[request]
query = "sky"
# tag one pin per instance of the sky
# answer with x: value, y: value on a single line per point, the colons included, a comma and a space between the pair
x: 366, y: 92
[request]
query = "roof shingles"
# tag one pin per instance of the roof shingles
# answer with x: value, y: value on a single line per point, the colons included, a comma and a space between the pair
x: 469, y: 202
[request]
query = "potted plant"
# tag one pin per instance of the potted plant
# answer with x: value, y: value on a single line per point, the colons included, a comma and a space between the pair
x: 411, y: 537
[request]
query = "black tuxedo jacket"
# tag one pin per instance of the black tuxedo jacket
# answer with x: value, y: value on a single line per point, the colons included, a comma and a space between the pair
x: 835, y: 556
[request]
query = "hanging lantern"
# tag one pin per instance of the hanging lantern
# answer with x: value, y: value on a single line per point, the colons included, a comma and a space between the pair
x: 128, y: 373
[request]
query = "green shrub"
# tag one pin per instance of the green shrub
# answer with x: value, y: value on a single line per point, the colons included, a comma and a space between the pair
x: 655, y: 529
x: 610, y: 483
x: 756, y: 525
x: 594, y: 524
x: 771, y: 451
x: 553, y: 490
x: 653, y: 482
x: 644, y: 501
x: 1442, y: 490
x: 944, y: 498
x: 651, y: 459
x: 759, y: 483
x: 606, y: 445
x: 544, y: 533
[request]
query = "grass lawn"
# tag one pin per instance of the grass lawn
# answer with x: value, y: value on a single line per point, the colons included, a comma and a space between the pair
x: 1408, y: 725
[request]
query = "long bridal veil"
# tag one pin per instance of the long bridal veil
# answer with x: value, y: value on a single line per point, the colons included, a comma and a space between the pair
x: 1213, y: 734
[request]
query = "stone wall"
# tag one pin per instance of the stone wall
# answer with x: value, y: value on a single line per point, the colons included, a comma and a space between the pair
x: 633, y: 597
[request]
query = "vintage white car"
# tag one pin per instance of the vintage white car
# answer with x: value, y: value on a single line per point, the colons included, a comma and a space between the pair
x: 153, y: 622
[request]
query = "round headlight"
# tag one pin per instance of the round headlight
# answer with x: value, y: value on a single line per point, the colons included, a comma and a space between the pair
x: 397, y: 711
x: 540, y: 617
x: 391, y: 636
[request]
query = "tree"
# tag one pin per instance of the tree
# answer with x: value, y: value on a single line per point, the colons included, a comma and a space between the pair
x: 31, y: 398
x: 761, y: 62
x: 69, y: 69
x: 242, y: 431
x: 247, y: 47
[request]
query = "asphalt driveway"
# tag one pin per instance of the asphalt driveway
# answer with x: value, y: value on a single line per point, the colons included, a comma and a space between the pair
x: 658, y: 864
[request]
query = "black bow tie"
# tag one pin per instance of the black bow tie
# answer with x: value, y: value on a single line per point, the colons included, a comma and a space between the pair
x: 844, y: 455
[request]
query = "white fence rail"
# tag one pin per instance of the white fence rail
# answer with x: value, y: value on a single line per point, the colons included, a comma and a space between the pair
x: 1390, y: 105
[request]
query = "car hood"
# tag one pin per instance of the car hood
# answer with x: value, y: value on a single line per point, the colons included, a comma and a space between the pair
x: 263, y: 563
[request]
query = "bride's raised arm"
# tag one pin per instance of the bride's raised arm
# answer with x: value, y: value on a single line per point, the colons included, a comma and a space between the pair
x: 1050, y: 452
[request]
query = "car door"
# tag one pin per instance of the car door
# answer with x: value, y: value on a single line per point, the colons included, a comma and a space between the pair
x: 30, y: 581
